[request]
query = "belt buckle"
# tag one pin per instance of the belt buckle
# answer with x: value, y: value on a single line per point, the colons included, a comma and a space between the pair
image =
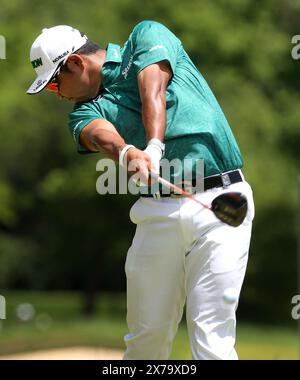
x: 225, y: 180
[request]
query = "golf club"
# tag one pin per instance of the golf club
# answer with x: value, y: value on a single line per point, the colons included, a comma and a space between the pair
x: 231, y: 207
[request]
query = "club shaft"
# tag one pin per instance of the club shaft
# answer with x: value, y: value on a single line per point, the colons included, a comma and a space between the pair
x: 178, y: 190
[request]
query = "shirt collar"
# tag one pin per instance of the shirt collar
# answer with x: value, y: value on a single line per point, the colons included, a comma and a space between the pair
x: 113, y: 53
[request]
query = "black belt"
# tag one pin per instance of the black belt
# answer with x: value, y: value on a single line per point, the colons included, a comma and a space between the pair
x: 220, y: 180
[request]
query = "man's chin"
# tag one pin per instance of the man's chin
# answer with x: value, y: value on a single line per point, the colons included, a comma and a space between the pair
x: 66, y: 98
x: 81, y: 99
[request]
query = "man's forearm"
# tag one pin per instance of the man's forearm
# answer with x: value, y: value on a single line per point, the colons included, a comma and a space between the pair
x: 110, y: 145
x: 101, y: 135
x: 154, y: 116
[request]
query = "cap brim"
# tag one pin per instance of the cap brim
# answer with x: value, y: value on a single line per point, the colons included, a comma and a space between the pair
x: 41, y: 82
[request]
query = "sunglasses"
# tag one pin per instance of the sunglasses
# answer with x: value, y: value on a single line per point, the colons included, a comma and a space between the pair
x: 53, y: 85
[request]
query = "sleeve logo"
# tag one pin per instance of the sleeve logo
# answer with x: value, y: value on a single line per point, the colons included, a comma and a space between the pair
x: 156, y: 47
x: 75, y: 129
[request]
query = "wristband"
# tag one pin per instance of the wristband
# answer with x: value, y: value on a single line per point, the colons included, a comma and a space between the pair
x: 157, y: 143
x: 122, y: 155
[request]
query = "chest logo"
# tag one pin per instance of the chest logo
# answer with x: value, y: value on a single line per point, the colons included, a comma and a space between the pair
x: 127, y: 68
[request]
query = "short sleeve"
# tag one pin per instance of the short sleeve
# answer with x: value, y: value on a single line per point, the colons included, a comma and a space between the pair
x: 80, y: 117
x: 153, y: 42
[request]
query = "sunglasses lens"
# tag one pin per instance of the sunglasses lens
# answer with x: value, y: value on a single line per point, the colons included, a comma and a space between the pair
x: 52, y: 87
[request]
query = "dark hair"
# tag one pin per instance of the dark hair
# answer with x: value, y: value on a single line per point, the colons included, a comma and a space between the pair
x: 88, y: 48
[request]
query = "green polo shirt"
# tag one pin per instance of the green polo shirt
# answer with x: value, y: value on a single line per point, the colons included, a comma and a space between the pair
x: 196, y: 126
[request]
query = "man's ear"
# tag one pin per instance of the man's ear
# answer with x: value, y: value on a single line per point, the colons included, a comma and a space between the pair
x: 75, y: 62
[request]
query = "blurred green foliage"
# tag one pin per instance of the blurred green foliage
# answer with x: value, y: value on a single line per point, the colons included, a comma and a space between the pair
x: 56, y: 232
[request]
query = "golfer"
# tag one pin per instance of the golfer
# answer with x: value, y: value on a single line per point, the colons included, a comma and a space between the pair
x: 142, y: 102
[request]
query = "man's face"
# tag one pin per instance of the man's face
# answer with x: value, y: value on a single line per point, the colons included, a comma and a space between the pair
x: 74, y: 81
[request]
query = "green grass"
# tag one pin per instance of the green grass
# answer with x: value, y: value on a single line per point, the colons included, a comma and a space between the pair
x: 66, y: 327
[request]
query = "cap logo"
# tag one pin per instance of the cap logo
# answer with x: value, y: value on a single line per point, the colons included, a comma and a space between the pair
x: 37, y: 62
x: 39, y: 84
x: 60, y: 56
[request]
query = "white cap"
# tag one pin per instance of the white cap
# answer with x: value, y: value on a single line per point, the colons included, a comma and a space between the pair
x: 51, y: 49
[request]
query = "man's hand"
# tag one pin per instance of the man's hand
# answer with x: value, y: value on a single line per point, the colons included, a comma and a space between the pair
x: 140, y: 162
x: 100, y: 135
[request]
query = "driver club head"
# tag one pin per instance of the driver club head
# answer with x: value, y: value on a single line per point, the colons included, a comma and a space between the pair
x: 231, y: 208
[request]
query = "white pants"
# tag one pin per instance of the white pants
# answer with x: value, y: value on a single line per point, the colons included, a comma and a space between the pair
x: 182, y: 253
